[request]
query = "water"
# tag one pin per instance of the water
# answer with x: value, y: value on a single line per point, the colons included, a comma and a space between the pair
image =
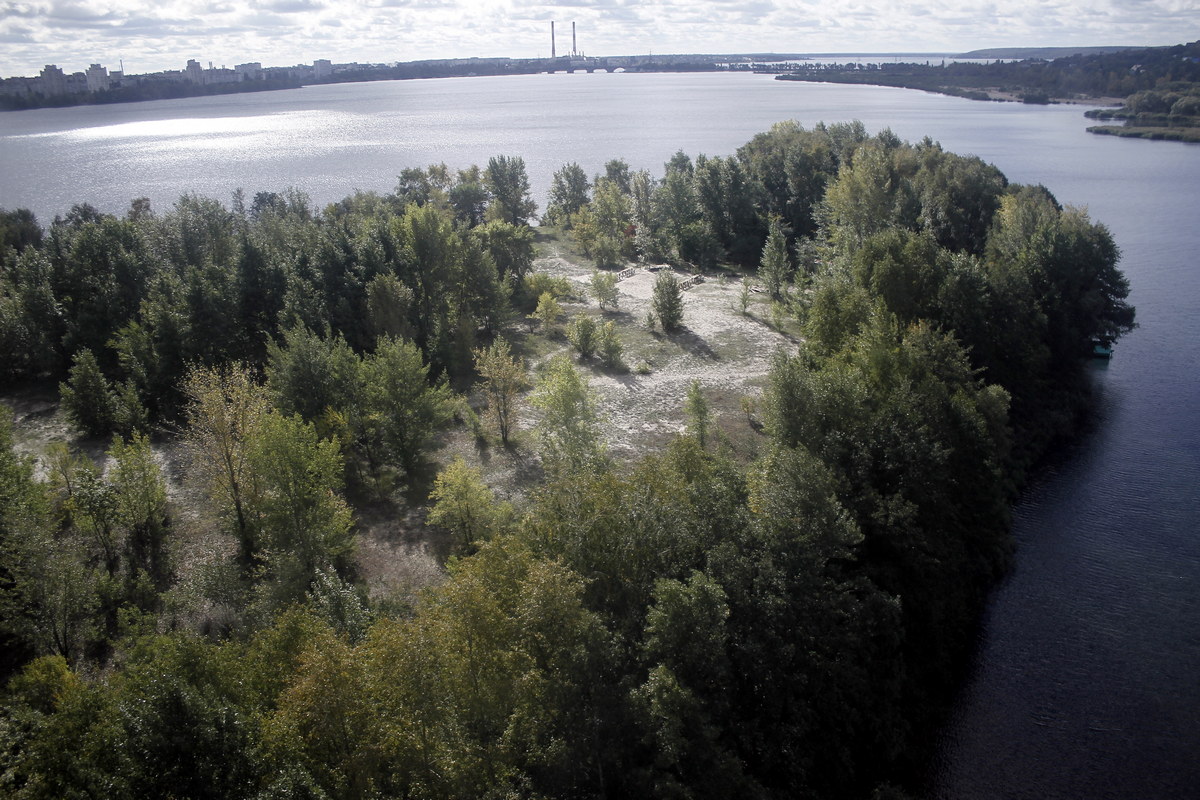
x: 332, y: 140
x: 1086, y: 681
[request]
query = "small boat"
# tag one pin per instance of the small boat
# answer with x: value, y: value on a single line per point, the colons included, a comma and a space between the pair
x: 1101, y: 349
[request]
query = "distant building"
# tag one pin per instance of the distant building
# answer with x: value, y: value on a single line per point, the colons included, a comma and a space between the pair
x: 53, y: 82
x: 222, y: 75
x: 97, y: 78
x: 20, y: 87
x: 249, y: 72
x: 194, y: 72
x: 322, y: 68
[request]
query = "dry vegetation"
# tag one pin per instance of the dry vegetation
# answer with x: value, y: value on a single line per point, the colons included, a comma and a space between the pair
x: 641, y: 408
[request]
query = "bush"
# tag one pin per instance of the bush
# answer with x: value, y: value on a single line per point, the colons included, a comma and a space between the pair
x: 668, y: 301
x: 610, y: 346
x: 582, y: 334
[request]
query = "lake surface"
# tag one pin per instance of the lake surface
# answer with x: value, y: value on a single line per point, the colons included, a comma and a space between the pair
x: 1087, y: 681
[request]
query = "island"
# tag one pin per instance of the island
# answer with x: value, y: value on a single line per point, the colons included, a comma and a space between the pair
x: 697, y: 487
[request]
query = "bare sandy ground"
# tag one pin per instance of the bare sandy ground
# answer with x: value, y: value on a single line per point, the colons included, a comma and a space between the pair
x: 640, y: 409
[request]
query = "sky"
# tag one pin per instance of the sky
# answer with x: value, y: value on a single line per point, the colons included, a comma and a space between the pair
x: 164, y: 34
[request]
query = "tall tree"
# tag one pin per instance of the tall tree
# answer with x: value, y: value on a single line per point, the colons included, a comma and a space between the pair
x: 569, y: 427
x: 604, y: 289
x: 503, y: 376
x: 463, y: 504
x: 403, y: 408
x: 775, y: 269
x: 87, y: 396
x: 506, y: 179
x: 698, y: 415
x: 141, y: 495
x: 568, y: 193
x: 305, y: 524
x: 225, y: 412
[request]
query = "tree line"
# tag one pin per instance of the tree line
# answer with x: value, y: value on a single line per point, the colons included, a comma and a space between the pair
x: 684, y: 625
x: 1118, y: 74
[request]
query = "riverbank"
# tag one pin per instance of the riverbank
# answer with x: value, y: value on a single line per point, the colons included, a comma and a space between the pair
x: 994, y: 93
x: 1162, y: 134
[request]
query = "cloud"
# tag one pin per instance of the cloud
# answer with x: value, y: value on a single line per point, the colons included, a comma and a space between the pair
x: 293, y: 6
x: 74, y: 33
x: 26, y: 10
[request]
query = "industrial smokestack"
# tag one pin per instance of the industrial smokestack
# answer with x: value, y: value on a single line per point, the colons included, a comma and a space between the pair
x: 552, y: 53
x: 574, y: 52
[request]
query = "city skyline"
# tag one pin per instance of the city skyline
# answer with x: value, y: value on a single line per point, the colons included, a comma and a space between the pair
x: 154, y: 37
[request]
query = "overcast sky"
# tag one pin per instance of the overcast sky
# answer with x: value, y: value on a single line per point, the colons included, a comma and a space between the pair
x: 151, y: 36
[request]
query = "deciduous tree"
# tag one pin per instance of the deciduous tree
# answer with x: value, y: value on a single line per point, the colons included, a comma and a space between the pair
x: 569, y: 427
x: 225, y: 412
x: 508, y: 183
x: 504, y: 378
x: 463, y: 504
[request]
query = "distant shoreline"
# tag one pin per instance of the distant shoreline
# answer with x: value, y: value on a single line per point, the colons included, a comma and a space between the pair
x: 1156, y: 91
x: 986, y: 93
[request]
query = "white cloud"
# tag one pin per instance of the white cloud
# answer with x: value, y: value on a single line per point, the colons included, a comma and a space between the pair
x: 164, y: 34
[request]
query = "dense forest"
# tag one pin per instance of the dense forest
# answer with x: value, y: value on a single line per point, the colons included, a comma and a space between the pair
x: 1093, y: 75
x: 686, y: 625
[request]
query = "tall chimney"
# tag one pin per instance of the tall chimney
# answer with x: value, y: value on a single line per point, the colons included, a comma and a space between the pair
x: 552, y: 53
x: 574, y: 52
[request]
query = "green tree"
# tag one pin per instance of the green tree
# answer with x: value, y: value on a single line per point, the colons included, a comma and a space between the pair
x: 610, y: 346
x: 698, y: 414
x: 178, y: 725
x: 504, y: 378
x: 568, y: 430
x: 604, y: 289
x: 469, y: 197
x: 305, y: 524
x: 508, y: 183
x: 141, y: 495
x: 510, y: 246
x: 775, y: 269
x: 616, y: 170
x: 582, y: 333
x: 548, y: 310
x: 308, y: 374
x: 569, y: 190
x: 225, y: 412
x: 93, y: 505
x: 24, y: 522
x: 87, y: 396
x: 668, y: 301
x: 584, y: 231
x: 610, y: 210
x: 389, y: 303
x: 463, y: 504
x: 320, y: 734
x: 871, y: 193
x: 403, y: 408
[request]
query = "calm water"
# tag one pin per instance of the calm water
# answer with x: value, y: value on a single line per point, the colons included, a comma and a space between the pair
x: 1087, y: 682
